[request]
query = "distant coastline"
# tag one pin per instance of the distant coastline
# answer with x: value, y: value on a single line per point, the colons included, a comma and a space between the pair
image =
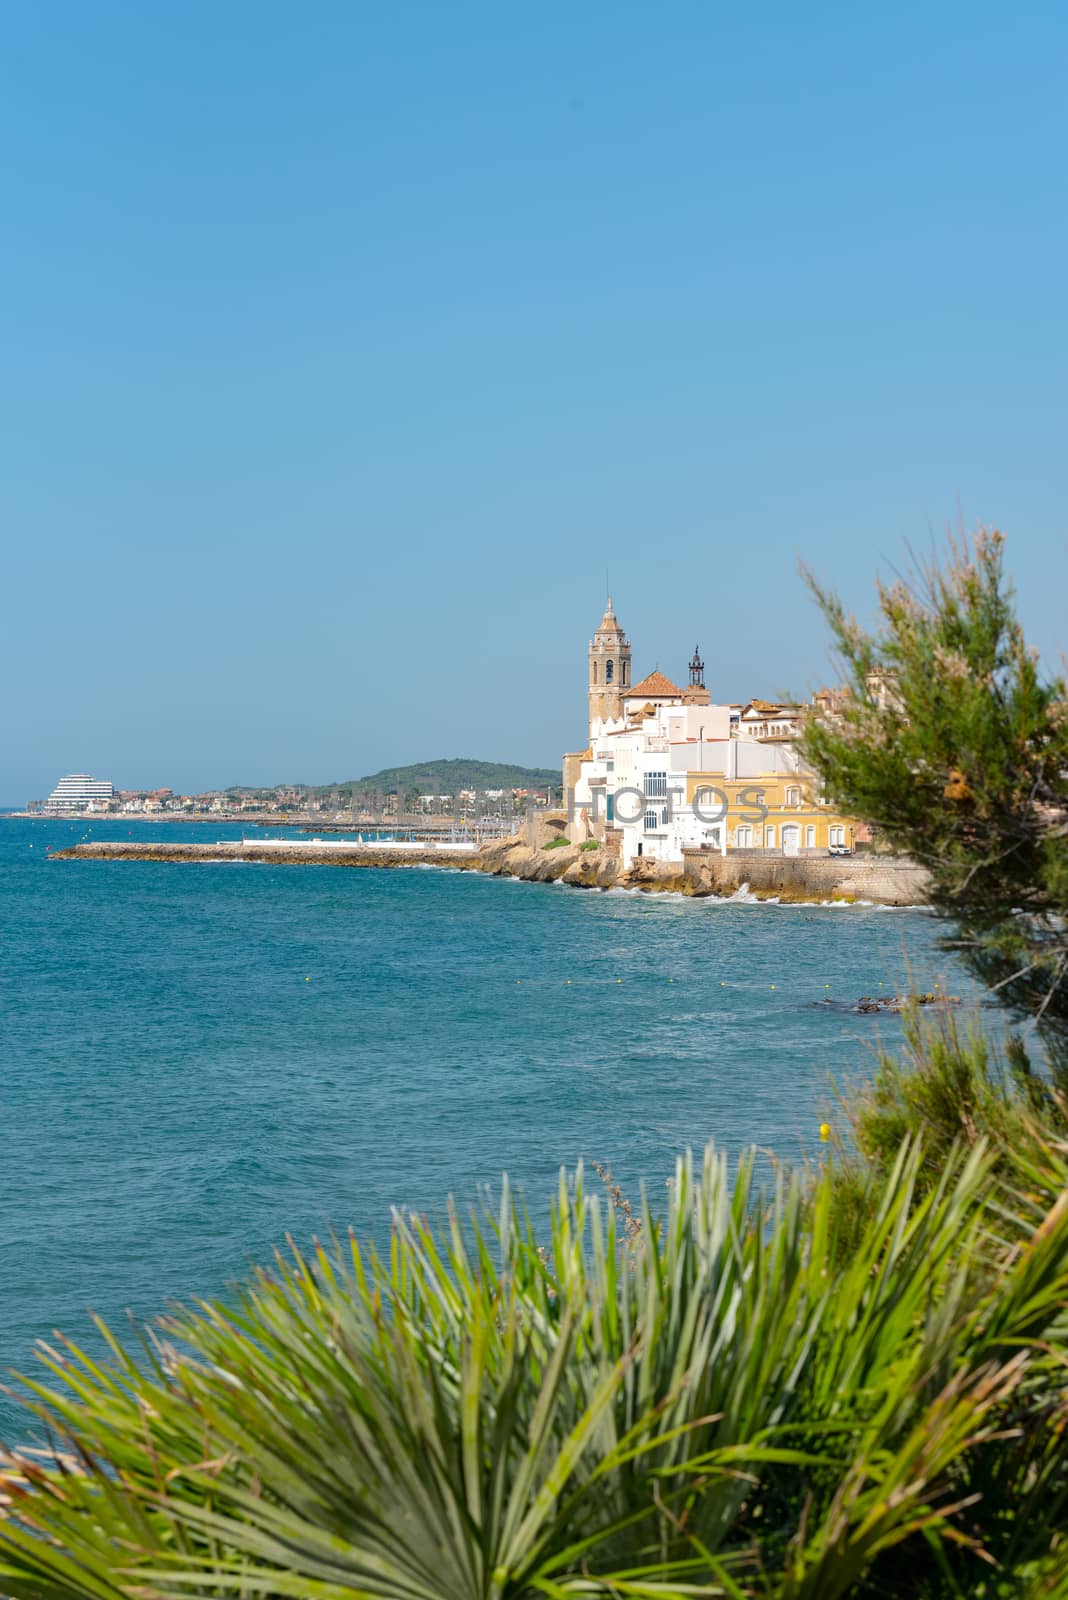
x: 251, y: 819
x: 260, y: 819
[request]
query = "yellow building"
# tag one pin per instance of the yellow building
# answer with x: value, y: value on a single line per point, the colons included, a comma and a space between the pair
x: 775, y: 811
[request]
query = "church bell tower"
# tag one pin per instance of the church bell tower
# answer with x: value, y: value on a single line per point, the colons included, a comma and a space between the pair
x: 609, y: 670
x: 695, y: 693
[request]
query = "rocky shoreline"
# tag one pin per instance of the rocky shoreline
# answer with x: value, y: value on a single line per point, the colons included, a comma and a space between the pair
x: 579, y: 867
x: 882, y: 880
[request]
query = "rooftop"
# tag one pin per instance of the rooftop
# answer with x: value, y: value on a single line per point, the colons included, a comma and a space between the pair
x: 654, y: 685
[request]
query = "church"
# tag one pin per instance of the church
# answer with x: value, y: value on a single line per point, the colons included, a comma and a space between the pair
x: 610, y: 687
x: 666, y: 771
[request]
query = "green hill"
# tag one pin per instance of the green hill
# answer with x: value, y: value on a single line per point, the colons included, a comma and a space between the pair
x: 448, y: 777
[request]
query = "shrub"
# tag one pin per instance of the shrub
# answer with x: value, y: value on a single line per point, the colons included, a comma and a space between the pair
x: 725, y: 1404
x: 952, y: 1088
x: 590, y: 844
x: 556, y: 844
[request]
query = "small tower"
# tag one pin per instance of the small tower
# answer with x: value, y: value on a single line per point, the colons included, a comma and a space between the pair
x: 609, y: 670
x: 695, y: 693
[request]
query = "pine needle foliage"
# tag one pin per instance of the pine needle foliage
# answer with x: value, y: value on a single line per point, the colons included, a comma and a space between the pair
x: 956, y: 748
x: 734, y: 1408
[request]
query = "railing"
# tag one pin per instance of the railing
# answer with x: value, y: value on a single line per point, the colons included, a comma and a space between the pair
x: 812, y: 851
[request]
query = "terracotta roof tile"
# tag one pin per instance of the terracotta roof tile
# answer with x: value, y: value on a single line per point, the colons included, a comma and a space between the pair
x: 655, y: 684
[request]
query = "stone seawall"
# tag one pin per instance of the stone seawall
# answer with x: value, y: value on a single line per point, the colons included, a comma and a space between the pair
x: 885, y: 880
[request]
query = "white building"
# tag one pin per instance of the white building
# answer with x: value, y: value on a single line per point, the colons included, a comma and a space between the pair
x: 766, y: 719
x: 79, y: 792
x: 644, y: 738
x: 666, y: 770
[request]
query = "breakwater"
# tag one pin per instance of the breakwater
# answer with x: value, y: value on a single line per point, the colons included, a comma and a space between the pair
x: 277, y: 852
x: 883, y: 880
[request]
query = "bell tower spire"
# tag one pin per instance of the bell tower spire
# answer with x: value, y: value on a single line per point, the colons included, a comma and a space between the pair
x: 609, y: 670
x: 695, y: 693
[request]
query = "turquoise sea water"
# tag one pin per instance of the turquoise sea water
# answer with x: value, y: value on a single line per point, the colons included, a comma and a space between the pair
x: 198, y: 1059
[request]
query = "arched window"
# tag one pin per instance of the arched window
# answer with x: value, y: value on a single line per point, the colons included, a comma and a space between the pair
x: 625, y: 666
x: 594, y: 679
x: 609, y: 671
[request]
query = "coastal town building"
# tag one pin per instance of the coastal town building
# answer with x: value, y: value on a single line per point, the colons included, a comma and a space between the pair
x: 666, y: 771
x: 79, y: 792
x: 766, y: 719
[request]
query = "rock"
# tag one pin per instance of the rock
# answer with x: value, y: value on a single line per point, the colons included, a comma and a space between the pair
x: 896, y: 1003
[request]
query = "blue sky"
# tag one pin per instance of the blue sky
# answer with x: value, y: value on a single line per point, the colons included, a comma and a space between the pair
x: 344, y: 347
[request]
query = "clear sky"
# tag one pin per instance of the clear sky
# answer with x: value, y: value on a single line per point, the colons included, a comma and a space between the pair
x: 344, y: 347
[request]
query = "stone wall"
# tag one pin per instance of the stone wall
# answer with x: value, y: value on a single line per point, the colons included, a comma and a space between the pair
x: 888, y: 880
x: 543, y: 826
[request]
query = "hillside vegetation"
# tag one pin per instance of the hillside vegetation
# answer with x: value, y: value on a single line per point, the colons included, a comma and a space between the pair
x: 449, y: 776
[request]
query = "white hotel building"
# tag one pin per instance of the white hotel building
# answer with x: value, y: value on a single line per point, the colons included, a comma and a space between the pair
x: 79, y: 792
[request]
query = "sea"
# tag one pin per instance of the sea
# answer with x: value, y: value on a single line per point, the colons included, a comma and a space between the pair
x: 200, y: 1060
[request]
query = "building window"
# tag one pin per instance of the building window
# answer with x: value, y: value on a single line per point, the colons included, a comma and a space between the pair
x: 649, y: 821
x: 625, y: 667
x: 745, y: 837
x: 655, y: 785
x: 609, y: 671
x: 610, y: 808
x: 810, y: 838
x: 793, y: 797
x: 594, y: 679
x: 769, y: 838
x: 837, y: 834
